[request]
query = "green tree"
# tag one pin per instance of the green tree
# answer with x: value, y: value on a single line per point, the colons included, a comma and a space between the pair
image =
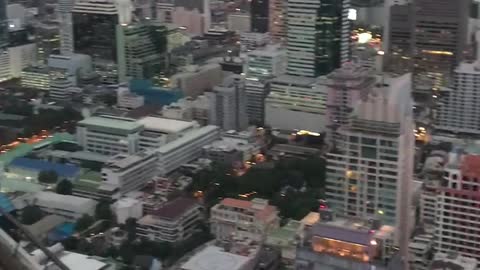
x: 48, y: 177
x: 65, y: 187
x: 103, y: 211
x: 31, y: 214
x: 84, y: 222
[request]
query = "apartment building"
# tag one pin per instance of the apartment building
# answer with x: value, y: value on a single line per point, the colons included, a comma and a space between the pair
x: 237, y: 218
x: 185, y: 149
x: 173, y: 222
x: 460, y: 111
x: 129, y: 172
x: 371, y: 174
x: 109, y: 135
x: 420, y: 251
x: 457, y: 227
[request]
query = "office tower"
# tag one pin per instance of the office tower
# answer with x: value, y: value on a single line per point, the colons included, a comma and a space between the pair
x: 141, y: 49
x: 194, y: 15
x: 346, y: 87
x: 439, y: 38
x: 460, y: 110
x: 277, y: 19
x: 346, y: 32
x: 3, y: 24
x: 457, y: 227
x: 296, y: 103
x: 66, y: 26
x: 228, y: 108
x: 61, y: 88
x: 397, y: 36
x: 259, y: 15
x: 313, y: 37
x: 370, y: 174
x: 262, y: 65
x: 94, y: 29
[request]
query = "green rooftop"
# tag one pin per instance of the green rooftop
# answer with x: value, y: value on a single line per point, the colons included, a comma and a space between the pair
x: 285, y: 233
x: 24, y: 149
x: 113, y: 123
x: 89, y: 180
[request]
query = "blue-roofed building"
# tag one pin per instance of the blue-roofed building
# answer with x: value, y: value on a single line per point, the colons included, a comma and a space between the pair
x: 30, y: 168
x: 6, y: 204
x: 154, y: 95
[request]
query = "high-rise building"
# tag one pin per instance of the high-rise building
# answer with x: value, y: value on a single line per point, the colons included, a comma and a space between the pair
x: 439, y: 38
x: 313, y: 37
x: 94, y: 29
x: 277, y: 18
x: 457, y: 227
x: 259, y: 10
x: 346, y: 87
x: 370, y: 174
x: 296, y: 103
x: 460, y: 111
x: 66, y: 26
x: 141, y: 49
x: 3, y: 24
x: 228, y: 108
x: 262, y: 65
x: 397, y: 36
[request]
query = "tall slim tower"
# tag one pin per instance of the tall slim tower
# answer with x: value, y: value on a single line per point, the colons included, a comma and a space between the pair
x: 278, y: 20
x: 370, y: 175
x: 439, y: 38
x: 66, y: 26
x: 313, y: 37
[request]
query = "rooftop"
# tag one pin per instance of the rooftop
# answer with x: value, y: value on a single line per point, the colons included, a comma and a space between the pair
x: 114, y: 123
x: 187, y: 138
x: 165, y: 125
x: 296, y: 80
x: 175, y: 208
x: 260, y: 207
x: 124, y: 161
x: 72, y: 203
x: 215, y: 258
x: 63, y: 170
x: 286, y: 233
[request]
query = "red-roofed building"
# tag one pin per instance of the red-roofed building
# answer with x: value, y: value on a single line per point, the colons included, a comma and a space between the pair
x: 174, y: 221
x: 238, y: 218
x: 457, y: 227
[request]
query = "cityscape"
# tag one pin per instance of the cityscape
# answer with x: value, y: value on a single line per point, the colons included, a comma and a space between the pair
x: 239, y: 134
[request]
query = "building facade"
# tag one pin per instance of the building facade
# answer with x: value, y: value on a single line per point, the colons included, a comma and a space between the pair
x: 313, y: 37
x: 436, y: 53
x: 108, y: 135
x: 277, y: 18
x: 259, y: 11
x: 129, y: 172
x: 371, y: 175
x: 228, y: 104
x: 251, y: 219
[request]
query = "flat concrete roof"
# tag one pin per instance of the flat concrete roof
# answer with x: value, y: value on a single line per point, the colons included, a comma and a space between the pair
x: 165, y: 125
x: 214, y: 258
x: 124, y: 124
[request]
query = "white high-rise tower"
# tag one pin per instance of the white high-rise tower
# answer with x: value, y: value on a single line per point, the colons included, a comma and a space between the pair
x: 66, y: 26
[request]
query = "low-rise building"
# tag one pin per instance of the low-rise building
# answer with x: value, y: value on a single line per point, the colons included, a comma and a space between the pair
x: 159, y: 131
x: 174, y: 221
x: 128, y: 100
x: 67, y: 206
x: 189, y: 109
x: 420, y: 250
x: 109, y: 135
x: 185, y: 149
x: 126, y: 208
x: 230, y: 151
x: 286, y: 239
x: 237, y: 218
x: 130, y: 172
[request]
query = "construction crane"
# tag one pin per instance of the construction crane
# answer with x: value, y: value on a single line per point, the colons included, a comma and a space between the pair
x: 34, y: 240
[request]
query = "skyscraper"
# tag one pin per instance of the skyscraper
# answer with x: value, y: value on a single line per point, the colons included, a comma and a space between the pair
x: 370, y: 175
x: 228, y: 107
x: 313, y: 37
x: 439, y: 38
x: 3, y: 24
x: 94, y: 28
x: 259, y: 11
x: 141, y: 49
x: 66, y: 26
